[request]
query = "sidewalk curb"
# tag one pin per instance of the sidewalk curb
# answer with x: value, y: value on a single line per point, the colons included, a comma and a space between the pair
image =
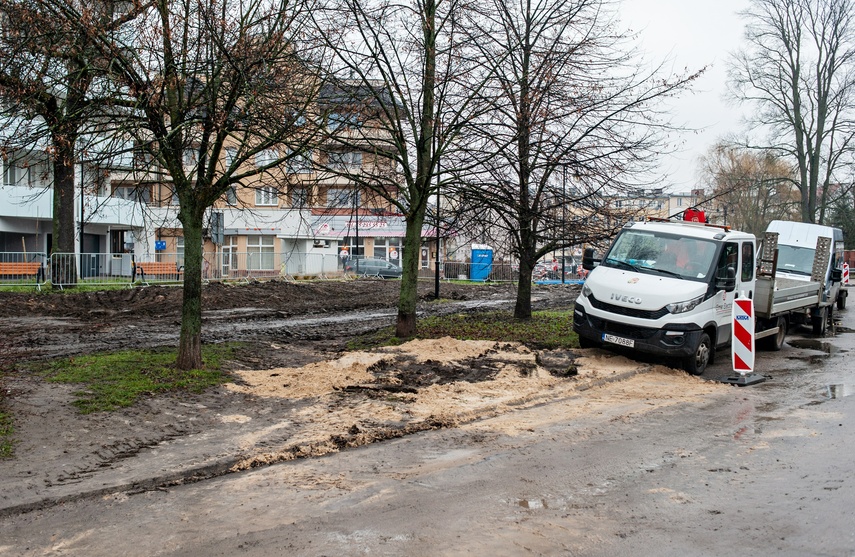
x: 242, y: 462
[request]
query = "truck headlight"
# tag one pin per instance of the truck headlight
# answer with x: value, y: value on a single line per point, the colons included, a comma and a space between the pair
x: 683, y: 307
x: 586, y: 290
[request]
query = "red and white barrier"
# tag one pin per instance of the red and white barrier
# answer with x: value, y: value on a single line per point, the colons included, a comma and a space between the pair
x: 846, y: 274
x: 742, y: 344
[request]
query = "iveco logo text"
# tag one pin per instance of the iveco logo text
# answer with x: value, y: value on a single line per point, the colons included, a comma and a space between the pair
x: 627, y: 299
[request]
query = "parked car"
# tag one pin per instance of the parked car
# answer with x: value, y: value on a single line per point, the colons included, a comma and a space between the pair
x: 371, y: 267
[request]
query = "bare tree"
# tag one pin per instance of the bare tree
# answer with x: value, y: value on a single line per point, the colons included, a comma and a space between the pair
x: 48, y: 95
x: 798, y: 69
x: 216, y: 92
x: 404, y: 65
x: 574, y: 118
x: 750, y: 188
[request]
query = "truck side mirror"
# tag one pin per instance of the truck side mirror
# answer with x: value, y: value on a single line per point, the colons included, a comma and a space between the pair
x: 728, y: 282
x: 588, y: 260
x: 837, y: 275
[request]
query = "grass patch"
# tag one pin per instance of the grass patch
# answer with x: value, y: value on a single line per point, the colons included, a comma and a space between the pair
x: 545, y: 329
x: 5, y: 435
x: 118, y: 379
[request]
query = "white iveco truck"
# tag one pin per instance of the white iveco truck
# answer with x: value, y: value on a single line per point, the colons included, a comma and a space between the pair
x: 667, y: 288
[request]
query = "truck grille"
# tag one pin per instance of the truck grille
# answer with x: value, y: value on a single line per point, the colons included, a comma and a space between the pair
x: 629, y: 312
x: 621, y: 329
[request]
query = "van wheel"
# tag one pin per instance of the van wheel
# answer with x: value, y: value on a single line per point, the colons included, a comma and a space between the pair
x: 776, y: 342
x: 841, y: 300
x: 697, y: 363
x: 819, y: 321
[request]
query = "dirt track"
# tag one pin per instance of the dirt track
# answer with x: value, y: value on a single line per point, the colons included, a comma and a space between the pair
x: 39, y: 325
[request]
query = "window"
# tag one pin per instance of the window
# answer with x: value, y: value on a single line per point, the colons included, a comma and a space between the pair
x: 173, y: 196
x: 266, y: 196
x: 339, y: 197
x: 354, y: 249
x: 117, y: 241
x: 231, y: 155
x: 231, y: 195
x: 259, y: 253
x: 299, y: 119
x: 346, y: 160
x: 299, y: 197
x: 139, y: 194
x: 726, y: 267
x: 747, y: 261
x: 142, y: 158
x: 300, y: 163
x: 10, y: 174
x: 191, y: 158
x: 337, y: 120
x: 266, y: 157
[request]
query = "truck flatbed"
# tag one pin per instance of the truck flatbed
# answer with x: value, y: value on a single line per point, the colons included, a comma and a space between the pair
x: 776, y: 296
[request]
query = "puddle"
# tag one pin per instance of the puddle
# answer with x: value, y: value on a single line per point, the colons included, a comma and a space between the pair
x: 813, y: 344
x: 812, y: 360
x: 840, y: 390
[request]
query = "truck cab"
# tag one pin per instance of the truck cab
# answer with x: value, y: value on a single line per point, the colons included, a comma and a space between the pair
x: 666, y: 288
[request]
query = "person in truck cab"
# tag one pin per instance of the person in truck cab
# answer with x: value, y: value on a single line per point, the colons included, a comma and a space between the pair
x: 728, y: 262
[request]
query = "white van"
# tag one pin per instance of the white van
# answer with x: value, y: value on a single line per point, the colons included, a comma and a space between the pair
x: 796, y: 250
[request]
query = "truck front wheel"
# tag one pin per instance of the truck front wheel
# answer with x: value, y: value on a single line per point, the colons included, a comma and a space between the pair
x: 697, y: 363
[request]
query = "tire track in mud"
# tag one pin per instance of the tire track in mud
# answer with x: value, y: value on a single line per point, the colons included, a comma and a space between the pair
x: 113, y: 453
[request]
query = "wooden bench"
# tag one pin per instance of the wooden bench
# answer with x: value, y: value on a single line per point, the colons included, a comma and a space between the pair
x: 21, y: 269
x: 158, y: 269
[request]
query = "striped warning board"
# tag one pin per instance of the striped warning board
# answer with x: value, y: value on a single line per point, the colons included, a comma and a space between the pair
x: 742, y: 345
x: 846, y: 273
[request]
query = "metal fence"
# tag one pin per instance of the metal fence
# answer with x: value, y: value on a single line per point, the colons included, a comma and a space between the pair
x: 63, y: 269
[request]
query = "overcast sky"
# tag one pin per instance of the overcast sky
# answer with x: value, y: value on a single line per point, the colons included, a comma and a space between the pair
x: 693, y: 34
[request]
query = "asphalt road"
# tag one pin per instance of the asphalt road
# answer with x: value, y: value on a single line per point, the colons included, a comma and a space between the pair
x: 762, y: 470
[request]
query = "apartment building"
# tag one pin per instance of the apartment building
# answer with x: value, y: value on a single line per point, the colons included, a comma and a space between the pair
x: 297, y: 219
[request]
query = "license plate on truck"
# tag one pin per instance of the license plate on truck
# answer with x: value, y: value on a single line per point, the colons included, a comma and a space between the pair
x: 628, y: 342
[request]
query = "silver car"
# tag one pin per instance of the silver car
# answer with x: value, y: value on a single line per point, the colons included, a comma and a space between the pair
x: 371, y: 267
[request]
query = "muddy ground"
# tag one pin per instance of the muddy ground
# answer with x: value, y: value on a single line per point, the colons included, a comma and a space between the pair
x: 321, y: 315
x: 297, y: 391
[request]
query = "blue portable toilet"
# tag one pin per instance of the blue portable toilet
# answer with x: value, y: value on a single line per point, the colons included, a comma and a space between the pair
x: 482, y: 262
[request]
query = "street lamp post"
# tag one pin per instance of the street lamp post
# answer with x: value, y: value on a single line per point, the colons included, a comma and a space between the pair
x: 436, y: 263
x: 563, y: 220
x: 356, y: 222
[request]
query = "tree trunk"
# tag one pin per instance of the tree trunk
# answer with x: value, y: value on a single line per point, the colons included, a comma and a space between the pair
x: 406, y: 323
x: 63, y: 269
x: 190, y: 341
x: 522, y: 308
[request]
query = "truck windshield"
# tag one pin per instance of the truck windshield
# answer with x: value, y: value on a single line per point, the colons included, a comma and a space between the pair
x: 664, y: 254
x: 796, y: 260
